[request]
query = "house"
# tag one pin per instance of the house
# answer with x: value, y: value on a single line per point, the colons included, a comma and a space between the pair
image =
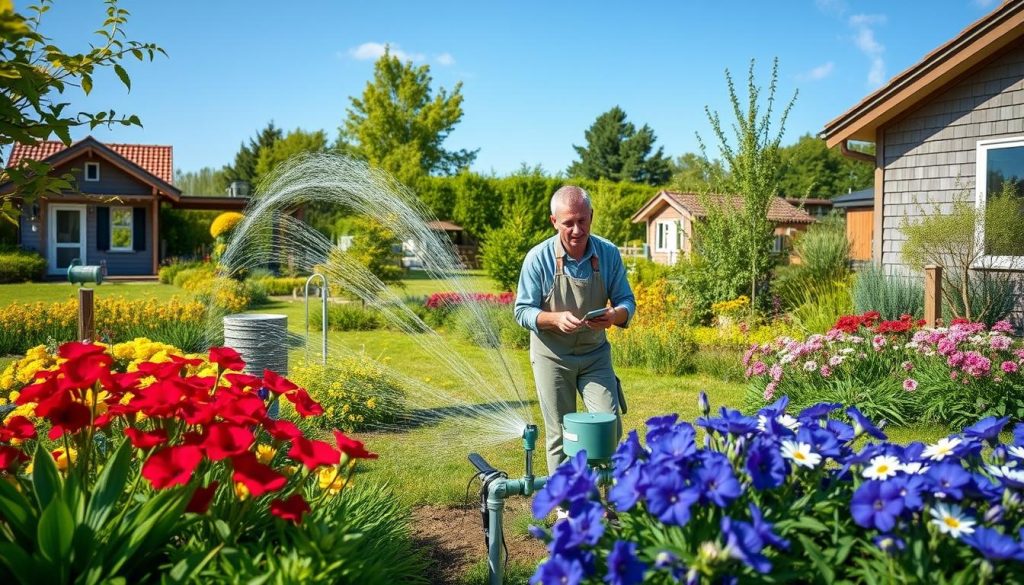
x: 670, y: 219
x: 953, y: 121
x: 815, y: 207
x: 110, y: 217
x: 858, y: 209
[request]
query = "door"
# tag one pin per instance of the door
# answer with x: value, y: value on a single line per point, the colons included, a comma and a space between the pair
x: 66, y: 237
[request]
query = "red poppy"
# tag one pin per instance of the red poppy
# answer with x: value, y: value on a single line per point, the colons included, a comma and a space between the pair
x: 77, y: 349
x: 226, y: 358
x: 172, y: 466
x: 351, y: 447
x: 282, y: 430
x: 290, y: 509
x: 160, y: 371
x: 183, y: 361
x: 243, y: 381
x: 83, y: 372
x: 313, y: 453
x: 257, y: 477
x: 118, y: 384
x: 224, y: 440
x: 201, y: 499
x: 276, y: 383
x: 10, y: 457
x: 146, y: 439
x: 65, y: 415
x: 245, y: 409
x: 39, y: 391
x: 161, y: 398
x: 304, y: 404
x: 18, y: 427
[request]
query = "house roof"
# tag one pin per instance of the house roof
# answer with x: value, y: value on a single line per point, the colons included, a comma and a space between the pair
x: 862, y: 198
x: 150, y: 163
x: 980, y: 42
x: 780, y: 210
x: 444, y: 225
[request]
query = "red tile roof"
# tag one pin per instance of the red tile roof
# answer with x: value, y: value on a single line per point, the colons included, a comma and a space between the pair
x: 154, y: 159
x: 780, y: 211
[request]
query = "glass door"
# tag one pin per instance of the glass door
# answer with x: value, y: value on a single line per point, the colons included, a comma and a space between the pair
x: 66, y: 237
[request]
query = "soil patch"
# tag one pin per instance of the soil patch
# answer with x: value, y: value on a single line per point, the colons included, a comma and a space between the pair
x: 452, y: 539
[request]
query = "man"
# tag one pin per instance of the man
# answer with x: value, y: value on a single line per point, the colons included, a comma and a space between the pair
x: 563, y: 278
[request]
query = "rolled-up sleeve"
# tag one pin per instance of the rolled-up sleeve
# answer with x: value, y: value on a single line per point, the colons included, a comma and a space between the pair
x: 619, y: 292
x: 529, y: 295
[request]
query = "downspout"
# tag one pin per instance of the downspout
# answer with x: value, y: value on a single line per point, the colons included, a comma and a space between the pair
x: 846, y: 151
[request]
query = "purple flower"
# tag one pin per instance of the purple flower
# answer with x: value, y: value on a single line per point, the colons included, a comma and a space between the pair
x: 626, y: 491
x: 994, y: 545
x: 877, y: 504
x: 668, y: 561
x: 842, y: 431
x: 583, y: 527
x: 703, y: 405
x: 742, y: 542
x: 729, y: 421
x: 623, y: 566
x: 627, y: 453
x: 677, y: 443
x: 765, y: 529
x: 949, y: 478
x: 776, y: 408
x: 765, y: 464
x: 861, y: 424
x: 910, y: 488
x: 987, y: 429
x: 558, y: 570
x: 1018, y: 435
x: 717, y: 482
x: 669, y: 498
x: 573, y: 479
x: 659, y: 425
x: 820, y: 410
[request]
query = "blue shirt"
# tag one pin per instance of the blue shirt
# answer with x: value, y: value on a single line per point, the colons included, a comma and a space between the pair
x: 538, y: 277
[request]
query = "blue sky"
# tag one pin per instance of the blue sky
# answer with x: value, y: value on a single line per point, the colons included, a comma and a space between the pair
x: 535, y: 75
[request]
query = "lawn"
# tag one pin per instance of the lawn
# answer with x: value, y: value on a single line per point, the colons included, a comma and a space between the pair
x: 31, y: 292
x: 418, y: 283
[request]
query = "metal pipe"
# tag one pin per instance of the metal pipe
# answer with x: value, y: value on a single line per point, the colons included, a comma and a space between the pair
x: 323, y: 318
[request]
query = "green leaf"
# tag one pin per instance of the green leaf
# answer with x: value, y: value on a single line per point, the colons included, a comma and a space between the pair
x: 123, y: 75
x: 109, y: 486
x: 86, y: 84
x: 46, y: 482
x: 817, y: 558
x: 56, y: 529
x: 18, y: 513
x: 19, y: 563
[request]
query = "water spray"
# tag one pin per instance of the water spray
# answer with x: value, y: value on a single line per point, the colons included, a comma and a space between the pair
x: 595, y: 433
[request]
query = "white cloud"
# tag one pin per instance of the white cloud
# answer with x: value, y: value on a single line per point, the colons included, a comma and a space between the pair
x: 372, y: 51
x: 864, y: 39
x: 820, y: 72
x: 837, y: 7
x: 984, y: 3
x: 445, y: 59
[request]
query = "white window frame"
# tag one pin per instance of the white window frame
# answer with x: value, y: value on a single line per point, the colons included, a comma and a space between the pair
x: 130, y: 226
x: 91, y: 165
x: 981, y: 195
x: 671, y: 243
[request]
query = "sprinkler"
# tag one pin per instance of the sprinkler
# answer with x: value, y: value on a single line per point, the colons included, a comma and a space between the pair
x: 596, y: 433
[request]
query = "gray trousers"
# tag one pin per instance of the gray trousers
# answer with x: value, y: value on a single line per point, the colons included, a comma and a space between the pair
x: 560, y: 378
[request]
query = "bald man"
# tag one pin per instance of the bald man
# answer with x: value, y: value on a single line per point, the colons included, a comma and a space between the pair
x: 564, y: 278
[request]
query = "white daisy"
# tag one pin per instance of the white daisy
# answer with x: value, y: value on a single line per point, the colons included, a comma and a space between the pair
x: 940, y: 450
x: 800, y: 453
x: 789, y: 422
x: 882, y: 467
x: 915, y: 467
x: 1016, y: 451
x: 951, y: 520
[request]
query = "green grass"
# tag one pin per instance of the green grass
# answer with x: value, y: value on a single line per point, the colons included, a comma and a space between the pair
x: 63, y: 291
x: 417, y: 283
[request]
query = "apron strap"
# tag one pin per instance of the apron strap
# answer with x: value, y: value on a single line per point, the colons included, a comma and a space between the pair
x: 559, y: 258
x: 593, y: 263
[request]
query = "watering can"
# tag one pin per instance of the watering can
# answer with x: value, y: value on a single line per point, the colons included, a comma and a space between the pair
x: 81, y: 274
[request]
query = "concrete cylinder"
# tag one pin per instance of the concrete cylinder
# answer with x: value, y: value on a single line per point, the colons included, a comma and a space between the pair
x: 261, y: 340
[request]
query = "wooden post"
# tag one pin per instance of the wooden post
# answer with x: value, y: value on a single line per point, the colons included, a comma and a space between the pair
x: 86, y: 325
x: 932, y: 294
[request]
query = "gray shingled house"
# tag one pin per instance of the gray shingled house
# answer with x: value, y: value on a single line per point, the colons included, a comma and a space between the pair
x: 951, y: 123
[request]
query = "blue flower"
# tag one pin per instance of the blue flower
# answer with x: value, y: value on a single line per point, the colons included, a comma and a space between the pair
x: 555, y: 491
x: 627, y: 490
x: 676, y: 444
x: 987, y: 429
x: 659, y: 425
x: 861, y: 424
x: 994, y: 545
x: 765, y: 464
x: 949, y: 478
x: 669, y: 562
x: 742, y: 542
x: 730, y: 421
x: 877, y: 504
x: 841, y: 430
x: 539, y: 532
x: 910, y: 488
x: 627, y: 453
x: 558, y: 570
x: 623, y: 566
x: 822, y: 441
x: 889, y: 543
x: 669, y: 498
x: 572, y: 480
x: 717, y: 482
x: 776, y: 408
x: 820, y: 410
x: 583, y: 527
x: 1018, y: 435
x: 703, y: 405
x: 765, y: 529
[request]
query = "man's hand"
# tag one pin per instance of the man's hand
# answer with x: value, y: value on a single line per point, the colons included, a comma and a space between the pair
x: 606, y: 320
x: 563, y: 321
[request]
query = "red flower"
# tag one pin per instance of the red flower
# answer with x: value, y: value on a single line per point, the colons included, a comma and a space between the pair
x: 160, y: 371
x: 304, y: 404
x: 245, y: 409
x: 243, y: 381
x: 313, y: 453
x: 224, y: 440
x: 10, y: 457
x: 77, y: 349
x: 257, y: 477
x: 18, y: 427
x: 290, y: 509
x: 161, y: 398
x: 282, y: 430
x: 351, y: 447
x: 83, y: 372
x: 66, y: 415
x: 183, y: 361
x: 226, y: 358
x: 39, y: 391
x: 145, y: 439
x: 201, y: 499
x: 172, y: 466
x: 277, y: 384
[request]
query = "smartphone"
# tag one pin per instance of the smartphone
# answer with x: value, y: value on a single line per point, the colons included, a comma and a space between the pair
x: 595, y: 314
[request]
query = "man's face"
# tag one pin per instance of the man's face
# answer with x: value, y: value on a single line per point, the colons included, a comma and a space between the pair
x: 573, y: 224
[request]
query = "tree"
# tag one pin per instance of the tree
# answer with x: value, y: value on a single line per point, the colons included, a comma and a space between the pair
x: 296, y: 142
x: 504, y: 248
x: 616, y: 150
x: 205, y: 181
x: 809, y: 168
x: 737, y: 243
x: 248, y: 156
x: 372, y: 248
x: 398, y: 124
x: 691, y: 173
x: 34, y: 75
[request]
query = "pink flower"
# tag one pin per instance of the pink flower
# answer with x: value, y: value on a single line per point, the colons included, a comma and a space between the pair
x: 759, y: 368
x: 1002, y: 326
x: 907, y: 366
x: 776, y: 372
x: 1008, y: 367
x: 826, y: 371
x: 910, y: 384
x: 878, y: 342
x: 769, y: 391
x: 1000, y: 342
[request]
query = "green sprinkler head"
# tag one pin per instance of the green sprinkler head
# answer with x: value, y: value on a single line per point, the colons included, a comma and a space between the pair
x: 530, y: 437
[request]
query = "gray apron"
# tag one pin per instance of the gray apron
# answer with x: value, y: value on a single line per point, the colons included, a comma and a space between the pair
x: 569, y: 364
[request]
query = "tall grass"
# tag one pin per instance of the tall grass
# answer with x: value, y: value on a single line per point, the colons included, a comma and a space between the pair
x: 821, y: 304
x: 890, y: 295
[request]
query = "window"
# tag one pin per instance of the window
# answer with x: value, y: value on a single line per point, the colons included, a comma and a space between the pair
x: 665, y: 236
x: 92, y: 171
x: 121, y: 229
x: 779, y: 244
x: 1000, y: 181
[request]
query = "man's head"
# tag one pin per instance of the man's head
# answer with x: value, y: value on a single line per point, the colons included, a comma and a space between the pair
x: 571, y: 214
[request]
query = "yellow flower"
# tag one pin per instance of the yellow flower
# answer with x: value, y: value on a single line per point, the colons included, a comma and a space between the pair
x: 241, y: 492
x: 61, y: 458
x: 265, y: 453
x: 330, y: 479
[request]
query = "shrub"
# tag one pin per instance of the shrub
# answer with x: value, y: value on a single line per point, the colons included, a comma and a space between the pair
x: 21, y: 267
x: 661, y: 348
x: 821, y: 303
x: 167, y: 274
x: 498, y: 330
x: 188, y: 277
x: 991, y: 297
x: 824, y: 249
x: 890, y: 295
x: 644, y: 271
x: 504, y: 248
x: 355, y: 391
x: 785, y: 496
x: 221, y: 292
x: 698, y: 288
x: 224, y: 223
x: 280, y: 286
x: 346, y: 317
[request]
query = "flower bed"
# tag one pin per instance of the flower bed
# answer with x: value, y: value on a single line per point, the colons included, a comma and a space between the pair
x: 895, y: 370
x: 782, y: 498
